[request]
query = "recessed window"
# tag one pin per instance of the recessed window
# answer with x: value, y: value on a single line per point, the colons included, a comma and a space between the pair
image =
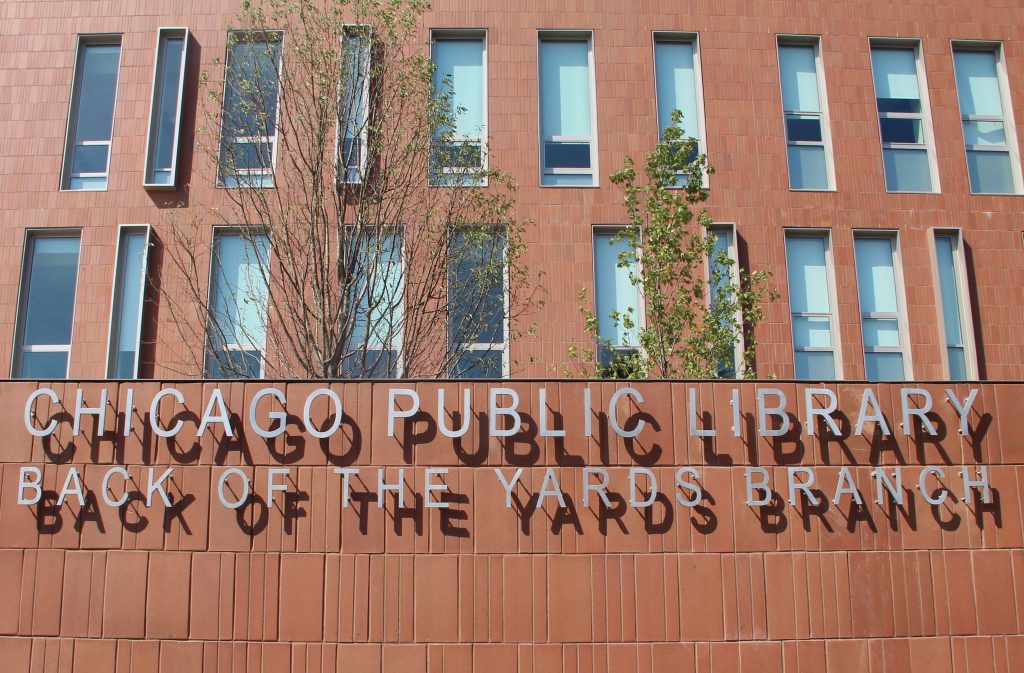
x: 165, y: 114
x: 993, y: 163
x: 808, y: 140
x: 954, y: 309
x: 91, y: 119
x: 881, y: 308
x: 239, y: 294
x: 812, y: 302
x: 377, y: 320
x: 616, y: 298
x: 354, y: 104
x: 49, y: 280
x: 460, y: 80
x: 248, y: 150
x: 128, y: 302
x: 477, y: 309
x: 723, y: 271
x: 568, y: 137
x: 903, y: 119
x: 677, y: 79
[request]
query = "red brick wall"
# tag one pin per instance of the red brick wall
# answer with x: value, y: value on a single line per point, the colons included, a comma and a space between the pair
x: 744, y: 138
x: 725, y: 587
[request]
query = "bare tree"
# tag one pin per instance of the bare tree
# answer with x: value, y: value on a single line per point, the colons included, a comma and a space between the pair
x: 365, y: 235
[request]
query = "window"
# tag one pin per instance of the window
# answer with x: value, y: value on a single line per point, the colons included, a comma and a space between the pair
x: 126, y: 306
x: 677, y: 78
x: 239, y: 295
x: 616, y: 297
x: 568, y: 137
x: 812, y: 302
x: 49, y: 279
x: 354, y: 104
x: 808, y: 141
x: 723, y: 271
x: 993, y: 163
x: 165, y: 114
x: 954, y: 309
x: 91, y: 117
x: 248, y: 150
x: 477, y: 308
x: 460, y: 78
x: 881, y: 308
x: 902, y: 118
x: 375, y: 333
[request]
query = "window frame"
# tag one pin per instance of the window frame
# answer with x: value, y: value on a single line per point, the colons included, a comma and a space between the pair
x: 74, y: 102
x: 900, y: 316
x: 115, y: 301
x: 489, y: 346
x: 1012, y: 147
x: 348, y: 31
x: 690, y: 37
x: 925, y: 116
x: 813, y: 41
x: 966, y: 314
x: 19, y: 349
x: 441, y: 34
x: 149, y: 168
x: 825, y: 235
x: 586, y: 36
x: 268, y: 176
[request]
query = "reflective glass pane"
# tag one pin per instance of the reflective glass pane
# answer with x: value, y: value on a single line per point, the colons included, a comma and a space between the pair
x: 676, y: 85
x: 462, y: 155
x: 881, y: 333
x: 97, y: 84
x: 476, y: 289
x: 984, y: 133
x: 895, y: 75
x: 566, y: 155
x: 233, y: 364
x: 49, y: 301
x: 565, y: 88
x: 876, y: 275
x: 615, y: 293
x: 901, y: 130
x: 806, y: 271
x: 44, y: 365
x: 459, y: 70
x: 482, y: 364
x: 568, y: 179
x: 803, y: 128
x: 815, y: 365
x: 353, y: 101
x: 240, y: 291
x: 884, y: 366
x: 945, y: 259
x: 957, y: 363
x: 370, y: 363
x: 90, y: 159
x: 128, y: 287
x: 165, y: 108
x: 812, y: 332
x: 907, y: 170
x: 91, y: 183
x: 251, y: 90
x: 799, y: 76
x: 977, y: 83
x: 807, y: 168
x: 990, y: 172
x: 378, y: 294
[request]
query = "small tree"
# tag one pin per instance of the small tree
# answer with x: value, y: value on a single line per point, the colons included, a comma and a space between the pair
x: 694, y: 314
x: 376, y: 242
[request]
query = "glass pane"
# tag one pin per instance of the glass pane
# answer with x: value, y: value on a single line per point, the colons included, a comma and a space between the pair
x: 370, y: 363
x: 249, y: 156
x: 566, y: 155
x: 895, y: 75
x: 462, y: 155
x: 478, y: 365
x: 352, y: 104
x: 808, y: 279
x: 900, y: 130
x: 803, y: 128
x: 881, y: 333
x: 615, y: 293
x: 565, y: 88
x: 984, y: 133
x: 946, y: 261
x: 990, y: 172
x: 676, y: 85
x: 815, y: 365
x: 799, y: 76
x: 907, y: 170
x: 89, y: 159
x: 97, y: 85
x: 124, y: 365
x: 876, y: 276
x: 977, y: 83
x: 49, y: 302
x: 807, y: 168
x: 93, y: 183
x: 721, y: 274
x: 957, y: 363
x: 350, y: 160
x: 378, y: 294
x: 476, y: 289
x: 884, y: 366
x: 250, y: 94
x: 131, y: 276
x: 233, y: 364
x: 568, y: 180
x: 240, y: 291
x: 460, y: 70
x: 165, y: 107
x: 812, y: 332
x: 44, y: 365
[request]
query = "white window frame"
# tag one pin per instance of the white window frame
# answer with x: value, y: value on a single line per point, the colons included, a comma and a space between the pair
x: 901, y: 318
x: 594, y: 170
x: 504, y: 346
x: 19, y: 349
x: 441, y: 34
x: 348, y: 31
x: 148, y: 167
x: 729, y: 228
x: 966, y: 315
x: 74, y: 102
x: 924, y: 116
x: 268, y: 175
x: 813, y: 41
x: 1007, y: 120
x: 397, y: 345
x: 115, y: 303
x: 698, y: 85
x: 833, y: 314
